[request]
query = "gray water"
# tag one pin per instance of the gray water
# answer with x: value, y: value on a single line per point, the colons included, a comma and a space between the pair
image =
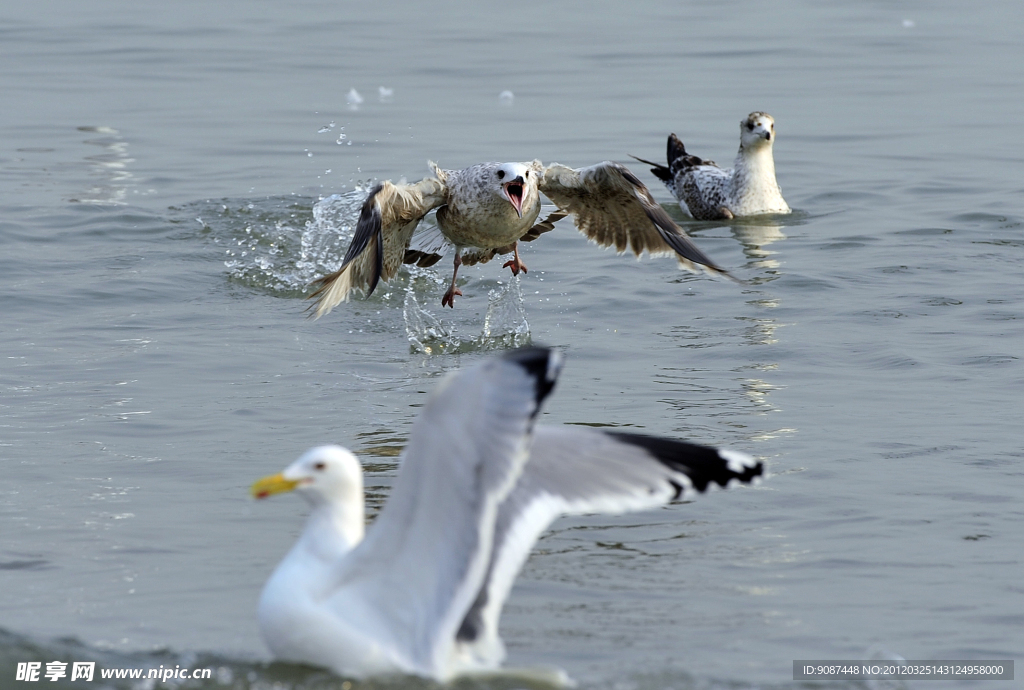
x: 159, y: 168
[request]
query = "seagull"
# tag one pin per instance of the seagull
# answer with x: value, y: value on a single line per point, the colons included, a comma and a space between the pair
x: 707, y: 192
x: 487, y: 209
x: 422, y: 590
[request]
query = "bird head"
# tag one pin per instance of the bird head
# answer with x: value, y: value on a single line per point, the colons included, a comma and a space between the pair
x: 321, y: 475
x: 758, y: 129
x: 515, y: 180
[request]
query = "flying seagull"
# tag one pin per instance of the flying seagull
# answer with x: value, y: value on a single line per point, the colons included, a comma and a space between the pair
x: 707, y: 192
x: 422, y: 591
x: 488, y: 209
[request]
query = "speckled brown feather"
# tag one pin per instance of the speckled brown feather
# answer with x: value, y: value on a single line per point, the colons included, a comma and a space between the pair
x: 386, y: 223
x: 613, y: 207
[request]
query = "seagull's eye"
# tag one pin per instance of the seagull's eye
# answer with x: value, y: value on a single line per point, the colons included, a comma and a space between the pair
x: 320, y: 466
x: 527, y: 173
x: 501, y: 174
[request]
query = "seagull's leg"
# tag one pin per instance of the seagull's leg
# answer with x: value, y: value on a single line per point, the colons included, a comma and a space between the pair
x: 516, y: 264
x: 449, y: 297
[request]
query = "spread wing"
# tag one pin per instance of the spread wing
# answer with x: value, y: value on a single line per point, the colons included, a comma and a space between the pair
x: 573, y: 471
x: 386, y: 223
x: 427, y: 246
x: 423, y: 562
x: 612, y: 207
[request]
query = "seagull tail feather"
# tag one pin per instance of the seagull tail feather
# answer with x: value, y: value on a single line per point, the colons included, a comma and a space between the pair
x: 675, y: 152
x: 660, y: 171
x: 679, y: 159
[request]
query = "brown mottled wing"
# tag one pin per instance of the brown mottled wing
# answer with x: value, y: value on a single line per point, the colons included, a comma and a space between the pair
x: 612, y: 207
x: 427, y: 246
x: 703, y: 189
x: 546, y: 225
x: 699, y: 185
x: 389, y: 215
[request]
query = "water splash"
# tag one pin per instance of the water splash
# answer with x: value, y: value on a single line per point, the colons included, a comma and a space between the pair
x: 426, y: 333
x: 281, y: 245
x: 325, y: 239
x: 505, y: 325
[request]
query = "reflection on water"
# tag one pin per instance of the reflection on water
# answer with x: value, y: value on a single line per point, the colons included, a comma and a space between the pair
x: 696, y: 392
x: 757, y: 233
x: 754, y: 239
x: 759, y: 330
x: 110, y: 166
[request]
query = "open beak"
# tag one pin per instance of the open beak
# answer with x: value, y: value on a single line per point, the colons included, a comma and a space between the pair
x: 274, y: 484
x: 514, y: 191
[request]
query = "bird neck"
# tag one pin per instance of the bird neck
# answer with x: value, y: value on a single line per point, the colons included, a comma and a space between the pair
x: 334, y: 527
x: 758, y: 160
x: 754, y: 171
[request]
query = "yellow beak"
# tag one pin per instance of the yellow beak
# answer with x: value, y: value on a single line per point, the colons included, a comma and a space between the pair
x: 274, y: 484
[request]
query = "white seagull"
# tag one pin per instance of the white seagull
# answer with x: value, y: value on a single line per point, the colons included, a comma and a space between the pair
x: 487, y: 209
x: 707, y: 192
x: 422, y: 591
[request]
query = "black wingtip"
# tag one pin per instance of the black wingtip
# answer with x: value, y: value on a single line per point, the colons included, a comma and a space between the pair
x: 378, y: 265
x: 703, y: 465
x: 678, y: 240
x: 542, y: 363
x: 368, y: 228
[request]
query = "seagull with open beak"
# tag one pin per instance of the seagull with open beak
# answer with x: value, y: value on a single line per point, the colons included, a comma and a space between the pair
x: 488, y: 209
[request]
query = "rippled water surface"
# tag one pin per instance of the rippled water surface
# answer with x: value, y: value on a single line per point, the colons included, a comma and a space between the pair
x: 173, y: 175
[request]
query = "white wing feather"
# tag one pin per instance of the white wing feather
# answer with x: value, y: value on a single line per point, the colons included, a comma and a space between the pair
x: 426, y: 557
x: 575, y: 471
